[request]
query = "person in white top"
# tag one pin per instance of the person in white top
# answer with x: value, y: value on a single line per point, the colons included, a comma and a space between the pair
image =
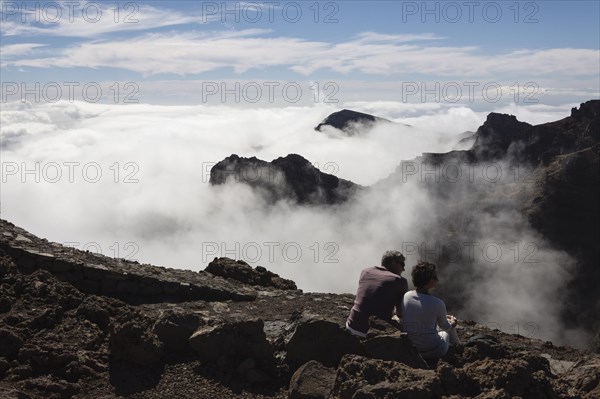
x: 424, y: 316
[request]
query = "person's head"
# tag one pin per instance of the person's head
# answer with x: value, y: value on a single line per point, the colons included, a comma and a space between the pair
x: 424, y: 275
x: 393, y: 261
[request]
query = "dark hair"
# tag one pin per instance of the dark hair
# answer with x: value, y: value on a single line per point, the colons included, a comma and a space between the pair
x: 422, y: 273
x: 391, y: 256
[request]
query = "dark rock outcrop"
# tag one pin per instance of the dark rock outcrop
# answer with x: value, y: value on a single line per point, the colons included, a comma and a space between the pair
x: 237, y: 348
x: 243, y: 272
x: 291, y: 178
x: 174, y: 329
x: 396, y: 347
x: 312, y: 381
x: 320, y: 340
x: 350, y: 122
x: 497, y: 134
x: 132, y: 341
x: 503, y: 136
x: 361, y: 377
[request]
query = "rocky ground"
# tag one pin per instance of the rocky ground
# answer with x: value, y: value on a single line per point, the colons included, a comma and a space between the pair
x: 79, y: 325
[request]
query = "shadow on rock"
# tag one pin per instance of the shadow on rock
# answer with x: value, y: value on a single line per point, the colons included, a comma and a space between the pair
x: 128, y: 378
x: 237, y: 354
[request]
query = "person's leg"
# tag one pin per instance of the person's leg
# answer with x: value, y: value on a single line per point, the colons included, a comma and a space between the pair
x: 441, y: 349
x: 355, y: 332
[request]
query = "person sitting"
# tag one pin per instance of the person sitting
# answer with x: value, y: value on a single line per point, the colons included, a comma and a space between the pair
x: 423, y: 314
x: 380, y: 291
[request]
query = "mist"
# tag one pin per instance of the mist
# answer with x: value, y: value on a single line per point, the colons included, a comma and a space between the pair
x: 132, y: 182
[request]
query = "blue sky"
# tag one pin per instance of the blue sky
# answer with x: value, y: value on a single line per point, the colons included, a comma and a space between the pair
x: 367, y: 48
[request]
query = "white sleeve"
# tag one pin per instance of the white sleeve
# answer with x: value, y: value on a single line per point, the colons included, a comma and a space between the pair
x: 442, y: 321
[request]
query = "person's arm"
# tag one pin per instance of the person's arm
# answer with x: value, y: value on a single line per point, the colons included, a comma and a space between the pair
x: 442, y: 317
x: 402, y: 289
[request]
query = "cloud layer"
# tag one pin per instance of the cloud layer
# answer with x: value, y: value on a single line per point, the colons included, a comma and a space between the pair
x: 132, y: 181
x: 194, y: 52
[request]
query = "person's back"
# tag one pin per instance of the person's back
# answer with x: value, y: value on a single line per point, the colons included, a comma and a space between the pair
x: 380, y: 290
x: 421, y: 314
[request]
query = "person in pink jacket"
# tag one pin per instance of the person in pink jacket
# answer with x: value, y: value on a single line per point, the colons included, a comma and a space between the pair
x: 380, y: 292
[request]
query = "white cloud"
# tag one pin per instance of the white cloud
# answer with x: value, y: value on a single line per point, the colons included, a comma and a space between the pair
x: 94, y: 20
x: 370, y: 53
x: 17, y: 50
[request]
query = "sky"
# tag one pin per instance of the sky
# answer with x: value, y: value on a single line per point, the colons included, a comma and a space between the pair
x: 187, y: 52
x: 112, y: 114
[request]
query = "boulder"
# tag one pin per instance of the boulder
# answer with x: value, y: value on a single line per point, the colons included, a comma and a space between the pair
x: 379, y: 327
x: 95, y: 310
x: 361, y: 377
x: 312, y: 381
x: 522, y: 376
x: 585, y: 378
x: 237, y: 348
x: 243, y: 272
x: 395, y: 347
x: 321, y: 340
x: 133, y: 342
x: 46, y: 357
x: 174, y: 329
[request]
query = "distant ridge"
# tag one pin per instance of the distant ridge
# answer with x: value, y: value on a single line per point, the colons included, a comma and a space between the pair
x: 347, y: 120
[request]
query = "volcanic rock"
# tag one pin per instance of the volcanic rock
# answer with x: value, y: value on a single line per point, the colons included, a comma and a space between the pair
x: 243, y: 272
x: 174, y: 329
x: 320, y: 340
x: 395, y: 347
x: 361, y: 377
x: 291, y: 178
x: 132, y: 341
x: 350, y: 122
x: 58, y: 339
x: 312, y: 381
x: 238, y: 348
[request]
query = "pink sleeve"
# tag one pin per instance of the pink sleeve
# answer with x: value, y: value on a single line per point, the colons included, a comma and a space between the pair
x: 402, y: 289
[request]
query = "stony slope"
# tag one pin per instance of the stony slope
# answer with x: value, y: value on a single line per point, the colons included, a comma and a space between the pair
x: 250, y: 334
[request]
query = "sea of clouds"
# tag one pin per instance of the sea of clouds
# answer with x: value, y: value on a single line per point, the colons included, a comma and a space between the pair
x: 132, y: 181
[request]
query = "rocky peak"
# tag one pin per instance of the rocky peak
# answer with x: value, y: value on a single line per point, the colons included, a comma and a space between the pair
x: 291, y: 178
x: 589, y: 109
x: 497, y: 134
x: 346, y: 121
